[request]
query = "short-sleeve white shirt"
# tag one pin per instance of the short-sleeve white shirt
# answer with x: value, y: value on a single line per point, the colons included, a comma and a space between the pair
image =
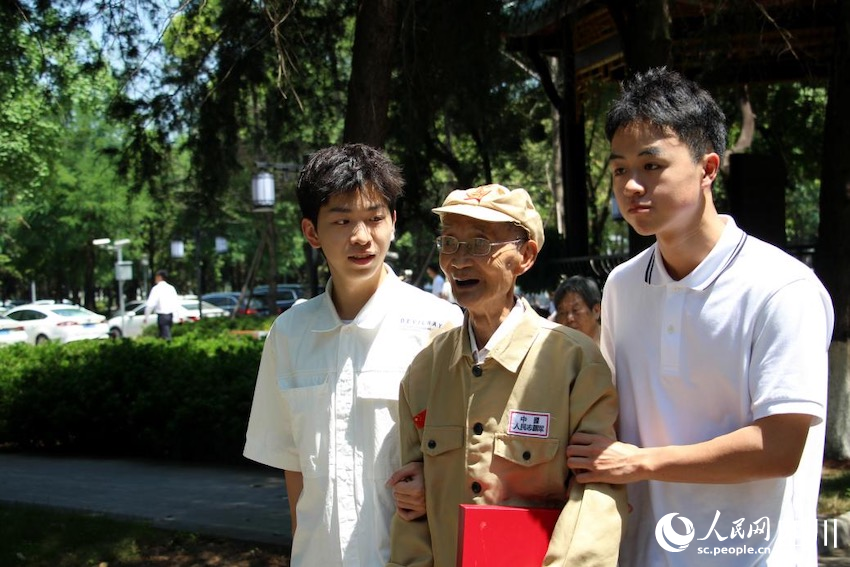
x: 326, y: 404
x: 742, y: 337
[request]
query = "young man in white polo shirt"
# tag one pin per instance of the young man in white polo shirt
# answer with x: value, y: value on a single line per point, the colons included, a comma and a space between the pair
x: 326, y: 401
x: 718, y: 344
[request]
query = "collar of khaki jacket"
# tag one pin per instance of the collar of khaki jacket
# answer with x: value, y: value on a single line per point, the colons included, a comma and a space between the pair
x: 508, y: 352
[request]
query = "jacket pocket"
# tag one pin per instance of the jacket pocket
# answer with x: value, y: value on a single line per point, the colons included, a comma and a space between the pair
x: 525, y: 451
x: 438, y: 440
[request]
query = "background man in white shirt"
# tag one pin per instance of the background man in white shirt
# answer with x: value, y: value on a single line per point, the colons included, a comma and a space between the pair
x: 164, y: 302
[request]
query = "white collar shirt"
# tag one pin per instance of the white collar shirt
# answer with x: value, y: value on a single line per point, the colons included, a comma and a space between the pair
x: 326, y: 405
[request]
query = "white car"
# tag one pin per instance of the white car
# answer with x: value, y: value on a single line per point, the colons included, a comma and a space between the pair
x: 58, y: 322
x: 11, y: 332
x: 134, y: 317
x: 192, y: 312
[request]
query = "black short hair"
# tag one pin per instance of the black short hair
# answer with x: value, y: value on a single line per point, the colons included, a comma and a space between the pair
x: 666, y: 99
x: 586, y: 288
x: 343, y: 169
x: 162, y: 273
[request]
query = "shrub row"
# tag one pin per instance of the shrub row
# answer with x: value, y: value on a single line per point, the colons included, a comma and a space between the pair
x: 188, y: 399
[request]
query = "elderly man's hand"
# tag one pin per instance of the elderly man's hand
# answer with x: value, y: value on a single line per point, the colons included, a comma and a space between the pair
x: 408, y: 484
x: 596, y: 458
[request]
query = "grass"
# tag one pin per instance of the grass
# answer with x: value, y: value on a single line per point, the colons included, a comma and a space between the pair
x: 40, y: 537
x: 834, y: 489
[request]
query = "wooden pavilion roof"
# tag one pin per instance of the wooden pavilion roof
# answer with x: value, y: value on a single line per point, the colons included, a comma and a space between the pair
x: 722, y: 42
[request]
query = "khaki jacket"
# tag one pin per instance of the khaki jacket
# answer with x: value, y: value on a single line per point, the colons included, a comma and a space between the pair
x: 458, y: 420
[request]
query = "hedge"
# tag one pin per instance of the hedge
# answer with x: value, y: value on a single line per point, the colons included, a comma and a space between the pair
x: 188, y: 399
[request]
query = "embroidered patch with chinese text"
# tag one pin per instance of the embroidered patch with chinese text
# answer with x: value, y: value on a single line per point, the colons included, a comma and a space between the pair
x: 530, y: 424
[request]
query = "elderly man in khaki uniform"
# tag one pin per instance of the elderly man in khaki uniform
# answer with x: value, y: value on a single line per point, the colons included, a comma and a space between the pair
x: 467, y: 399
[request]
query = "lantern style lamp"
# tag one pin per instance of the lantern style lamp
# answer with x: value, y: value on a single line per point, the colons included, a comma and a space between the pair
x: 177, y: 249
x: 262, y: 192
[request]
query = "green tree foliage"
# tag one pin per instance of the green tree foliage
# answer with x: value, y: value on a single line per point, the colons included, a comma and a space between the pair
x: 203, y: 90
x: 58, y: 184
x: 27, y: 137
x: 790, y: 123
x: 255, y: 83
x: 463, y: 111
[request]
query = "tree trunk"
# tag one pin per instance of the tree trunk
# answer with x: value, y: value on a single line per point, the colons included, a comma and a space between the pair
x: 371, y: 65
x: 573, y: 152
x: 644, y: 26
x: 832, y: 252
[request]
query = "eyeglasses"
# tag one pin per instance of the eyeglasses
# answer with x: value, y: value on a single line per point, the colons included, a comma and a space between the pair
x: 476, y: 247
x: 575, y: 312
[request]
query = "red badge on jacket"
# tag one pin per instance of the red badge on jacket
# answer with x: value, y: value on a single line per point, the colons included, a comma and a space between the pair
x: 419, y: 419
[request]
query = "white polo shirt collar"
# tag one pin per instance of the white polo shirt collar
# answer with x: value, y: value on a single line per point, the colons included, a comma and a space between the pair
x: 731, y: 242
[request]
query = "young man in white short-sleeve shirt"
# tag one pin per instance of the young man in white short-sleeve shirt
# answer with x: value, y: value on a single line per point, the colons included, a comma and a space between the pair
x: 718, y: 344
x: 326, y: 402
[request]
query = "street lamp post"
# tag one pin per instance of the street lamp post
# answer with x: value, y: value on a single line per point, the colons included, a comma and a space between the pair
x: 123, y: 270
x: 263, y: 199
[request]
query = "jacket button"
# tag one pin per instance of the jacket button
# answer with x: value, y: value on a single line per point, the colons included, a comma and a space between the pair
x: 478, y: 429
x: 431, y: 443
x: 476, y: 488
x: 476, y: 371
x: 526, y: 455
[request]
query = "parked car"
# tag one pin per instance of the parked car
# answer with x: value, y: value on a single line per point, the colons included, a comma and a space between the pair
x: 192, y: 312
x: 11, y: 331
x: 7, y: 304
x: 228, y: 301
x: 59, y: 322
x: 134, y: 316
x: 285, y: 294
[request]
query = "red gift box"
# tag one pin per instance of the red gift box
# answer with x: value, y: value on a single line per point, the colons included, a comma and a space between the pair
x: 504, y: 536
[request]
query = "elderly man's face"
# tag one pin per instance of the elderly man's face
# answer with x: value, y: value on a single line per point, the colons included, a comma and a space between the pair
x: 485, y: 284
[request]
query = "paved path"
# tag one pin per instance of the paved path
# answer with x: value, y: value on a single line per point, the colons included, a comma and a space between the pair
x: 247, y: 502
x: 242, y: 502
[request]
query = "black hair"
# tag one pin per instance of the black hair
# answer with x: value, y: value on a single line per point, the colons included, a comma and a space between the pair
x: 586, y: 288
x: 666, y: 99
x: 162, y: 273
x: 343, y: 169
